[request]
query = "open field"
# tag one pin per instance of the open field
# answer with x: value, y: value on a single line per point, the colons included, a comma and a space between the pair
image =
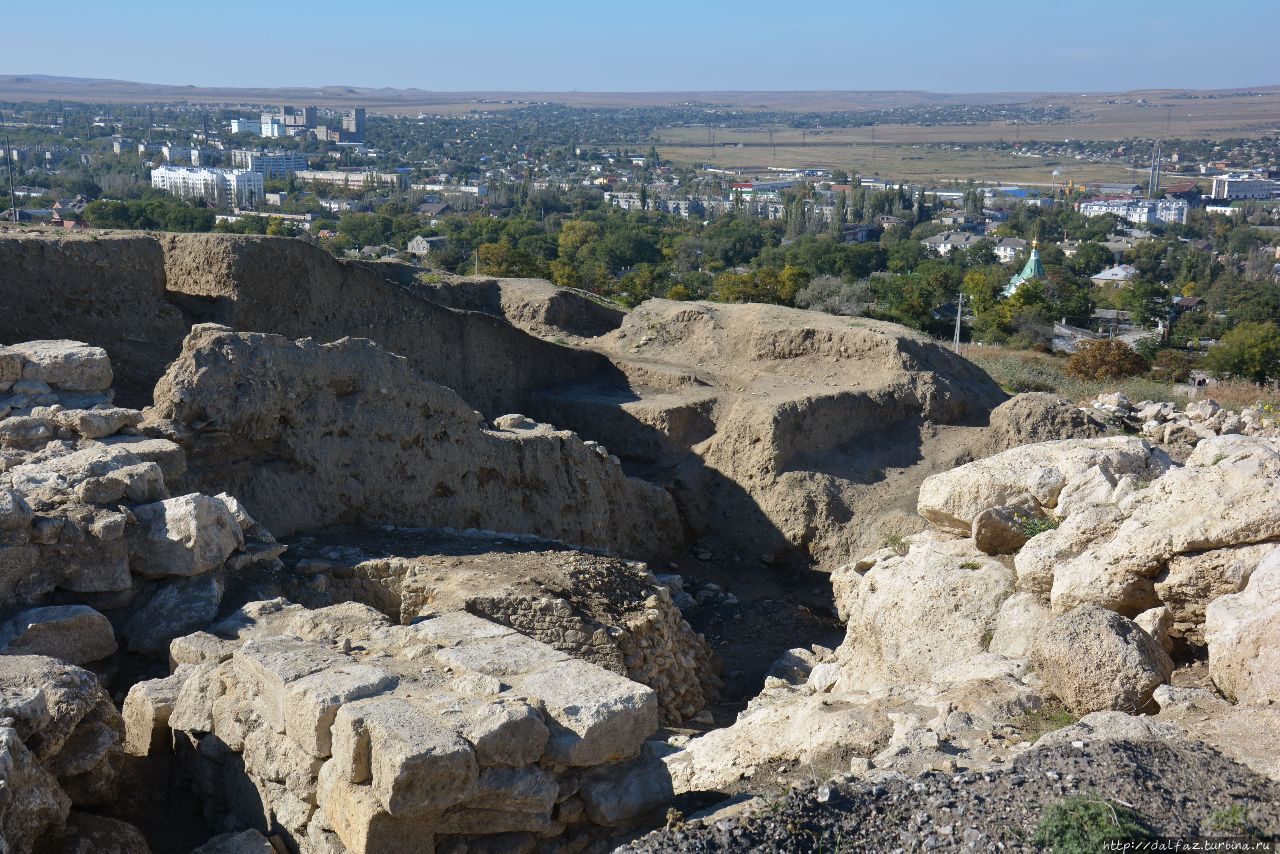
x: 916, y: 152
x: 41, y: 87
x: 906, y: 162
x: 1226, y: 109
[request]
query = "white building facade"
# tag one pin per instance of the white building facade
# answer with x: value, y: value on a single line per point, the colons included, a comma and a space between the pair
x: 270, y: 165
x: 1138, y: 212
x: 238, y: 188
x: 1243, y: 186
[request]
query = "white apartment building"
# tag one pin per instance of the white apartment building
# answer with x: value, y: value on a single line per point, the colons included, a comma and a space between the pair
x: 1138, y: 211
x: 269, y: 164
x: 1242, y: 185
x: 356, y: 179
x: 221, y: 187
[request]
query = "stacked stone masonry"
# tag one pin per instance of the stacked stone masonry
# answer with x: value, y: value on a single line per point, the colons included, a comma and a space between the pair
x: 339, y: 731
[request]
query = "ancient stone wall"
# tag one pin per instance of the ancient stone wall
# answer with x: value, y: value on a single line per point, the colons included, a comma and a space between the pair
x: 137, y: 295
x: 338, y: 731
x: 310, y: 435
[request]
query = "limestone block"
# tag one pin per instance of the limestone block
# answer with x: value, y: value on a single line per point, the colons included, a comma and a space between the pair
x: 359, y: 819
x: 198, y: 648
x: 147, y: 710
x: 1018, y: 625
x: 168, y: 455
x: 1243, y: 634
x: 184, y: 536
x: 312, y: 702
x: 182, y: 606
x: 15, y: 515
x: 1096, y: 660
x: 413, y: 760
x: 598, y: 716
x: 952, y: 500
x: 75, y: 634
x: 68, y: 365
x: 272, y: 663
x: 245, y: 842
x: 35, y: 804
x: 98, y: 423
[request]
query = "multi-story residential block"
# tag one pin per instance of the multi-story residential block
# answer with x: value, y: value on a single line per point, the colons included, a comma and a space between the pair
x: 1138, y: 211
x: 354, y: 178
x: 269, y: 164
x: 221, y: 187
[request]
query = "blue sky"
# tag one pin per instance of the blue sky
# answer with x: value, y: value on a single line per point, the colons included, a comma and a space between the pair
x: 938, y: 45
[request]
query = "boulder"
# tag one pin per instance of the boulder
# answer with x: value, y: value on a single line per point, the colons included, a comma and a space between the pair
x: 179, y: 607
x: 76, y: 634
x: 1096, y: 660
x: 1034, y: 475
x: 184, y: 536
x: 1003, y: 530
x: 1115, y: 564
x: 1026, y: 419
x: 910, y: 616
x: 31, y: 801
x: 1242, y: 631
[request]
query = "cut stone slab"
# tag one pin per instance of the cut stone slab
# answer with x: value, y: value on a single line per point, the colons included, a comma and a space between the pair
x: 600, y: 716
x: 413, y: 759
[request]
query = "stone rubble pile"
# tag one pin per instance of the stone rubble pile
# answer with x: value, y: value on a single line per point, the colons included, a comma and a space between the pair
x: 341, y: 732
x: 96, y: 555
x: 88, y: 522
x: 60, y: 740
x: 1061, y: 579
x: 1175, y: 426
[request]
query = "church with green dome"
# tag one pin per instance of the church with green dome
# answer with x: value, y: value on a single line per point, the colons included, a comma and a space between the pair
x: 1033, y: 269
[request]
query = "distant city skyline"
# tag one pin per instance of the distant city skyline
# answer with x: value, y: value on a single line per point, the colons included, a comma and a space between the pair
x: 996, y: 46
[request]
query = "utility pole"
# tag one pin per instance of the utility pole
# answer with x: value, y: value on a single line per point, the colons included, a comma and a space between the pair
x: 13, y: 195
x: 959, y: 309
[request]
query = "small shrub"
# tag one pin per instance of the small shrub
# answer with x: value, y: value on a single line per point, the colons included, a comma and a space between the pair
x: 1031, y: 524
x: 1105, y: 359
x: 1035, y: 723
x: 1233, y: 821
x: 970, y: 564
x: 1083, y: 824
x: 897, y: 543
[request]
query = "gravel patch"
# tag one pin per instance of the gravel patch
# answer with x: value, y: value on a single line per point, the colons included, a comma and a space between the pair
x: 1172, y: 788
